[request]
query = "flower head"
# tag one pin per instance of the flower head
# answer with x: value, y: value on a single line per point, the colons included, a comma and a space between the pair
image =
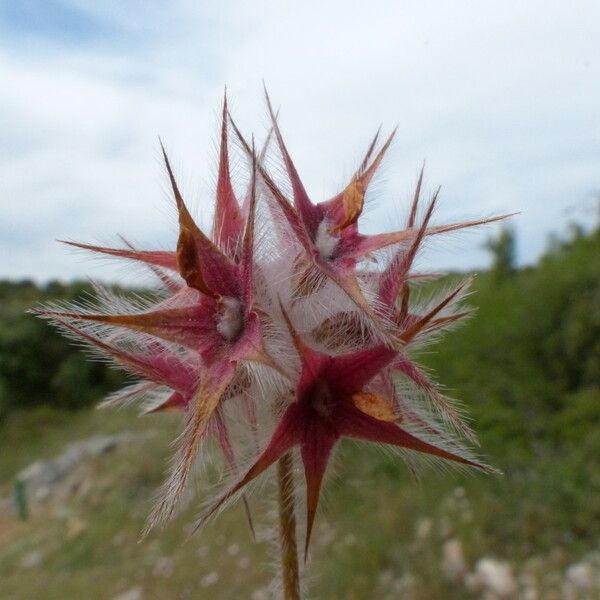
x: 333, y: 400
x: 211, y: 314
x: 275, y: 311
x: 328, y: 231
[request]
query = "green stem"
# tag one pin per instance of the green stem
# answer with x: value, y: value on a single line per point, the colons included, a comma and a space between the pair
x: 287, y: 529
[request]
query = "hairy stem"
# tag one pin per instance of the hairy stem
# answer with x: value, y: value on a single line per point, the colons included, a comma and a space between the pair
x: 287, y: 529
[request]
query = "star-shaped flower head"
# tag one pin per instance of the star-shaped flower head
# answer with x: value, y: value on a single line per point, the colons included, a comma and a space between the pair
x: 159, y: 367
x: 328, y: 231
x: 332, y: 401
x: 213, y: 316
x: 412, y: 325
x: 209, y: 342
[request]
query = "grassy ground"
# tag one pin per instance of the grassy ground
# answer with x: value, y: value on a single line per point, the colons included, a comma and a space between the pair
x: 527, y: 367
x: 379, y: 536
x: 89, y: 541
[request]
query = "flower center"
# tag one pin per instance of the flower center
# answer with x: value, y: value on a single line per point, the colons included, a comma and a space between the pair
x: 231, y: 318
x: 321, y: 399
x: 325, y: 241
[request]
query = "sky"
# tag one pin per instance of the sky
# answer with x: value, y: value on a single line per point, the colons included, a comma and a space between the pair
x: 501, y: 99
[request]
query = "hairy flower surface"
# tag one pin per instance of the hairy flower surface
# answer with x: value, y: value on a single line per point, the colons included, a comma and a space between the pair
x: 276, y: 333
x: 328, y: 230
x: 333, y: 401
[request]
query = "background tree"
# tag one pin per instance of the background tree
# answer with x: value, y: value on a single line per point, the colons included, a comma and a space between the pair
x: 503, y: 250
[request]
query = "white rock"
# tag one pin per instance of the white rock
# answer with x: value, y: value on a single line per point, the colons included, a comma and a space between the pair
x: 32, y: 560
x: 209, y: 579
x: 164, y: 567
x: 424, y: 527
x: 531, y: 593
x: 385, y: 578
x: 41, y: 472
x: 405, y: 584
x: 41, y: 493
x: 135, y: 593
x: 62, y: 476
x: 492, y: 577
x: 459, y: 491
x: 529, y: 585
x: 454, y: 566
x: 50, y: 471
x: 581, y: 576
x: 70, y: 458
x: 101, y: 444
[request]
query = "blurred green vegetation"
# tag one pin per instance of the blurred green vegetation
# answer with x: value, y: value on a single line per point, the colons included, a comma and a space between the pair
x: 37, y: 365
x: 527, y: 367
x: 528, y: 363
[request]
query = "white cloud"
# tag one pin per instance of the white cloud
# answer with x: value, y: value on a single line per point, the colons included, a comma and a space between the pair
x: 500, y: 98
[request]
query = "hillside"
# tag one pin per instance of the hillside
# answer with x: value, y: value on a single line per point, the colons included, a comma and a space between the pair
x: 527, y: 366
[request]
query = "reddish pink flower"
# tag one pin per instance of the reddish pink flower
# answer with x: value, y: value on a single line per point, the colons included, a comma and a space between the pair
x: 213, y: 315
x: 328, y: 231
x: 200, y: 347
x: 332, y: 401
x: 410, y: 327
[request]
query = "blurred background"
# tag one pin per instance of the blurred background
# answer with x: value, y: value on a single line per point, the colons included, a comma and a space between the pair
x: 501, y: 100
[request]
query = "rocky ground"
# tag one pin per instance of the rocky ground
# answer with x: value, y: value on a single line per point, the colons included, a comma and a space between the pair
x: 58, y: 487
